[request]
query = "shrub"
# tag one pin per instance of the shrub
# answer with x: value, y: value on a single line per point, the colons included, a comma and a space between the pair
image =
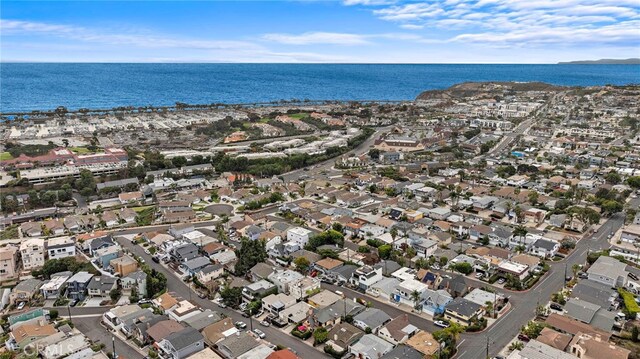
x: 630, y: 304
x: 320, y: 336
x: 336, y: 354
x: 302, y: 332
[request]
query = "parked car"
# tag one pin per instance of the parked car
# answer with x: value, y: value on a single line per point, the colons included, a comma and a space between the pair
x: 155, y: 259
x: 73, y: 303
x: 583, y: 275
x: 240, y: 325
x: 555, y: 306
x: 441, y: 324
x: 523, y: 337
x: 246, y: 314
x: 479, y: 274
x: 21, y: 305
x: 501, y: 281
x: 259, y: 333
x: 220, y: 303
x: 259, y: 313
x: 265, y: 323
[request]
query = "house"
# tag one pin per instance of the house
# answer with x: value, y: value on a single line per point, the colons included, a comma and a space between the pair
x: 260, y: 271
x: 137, y: 279
x: 544, y: 248
x: 165, y: 302
x: 298, y: 235
x: 27, y: 333
x: 276, y: 303
x: 124, y: 265
x: 538, y: 350
x: 283, y: 354
x: 343, y: 335
x: 235, y: 345
x: 590, y: 313
x: 210, y: 272
x: 31, y: 229
x: 370, y: 347
x: 425, y: 343
x: 520, y: 271
x: 262, y: 351
x: 54, y: 287
x: 202, y: 320
x: 183, y: 310
x: 323, y: 299
x: 331, y: 315
x: 160, y: 330
x: 597, y: 293
x: 8, y: 262
x: 424, y: 248
x: 32, y: 253
x: 404, y: 352
x: 258, y: 289
x: 572, y: 326
x: 25, y: 290
x: 295, y: 313
x: 61, y: 247
x: 103, y: 256
x: 283, y: 279
x: 96, y: 241
x: 398, y: 330
x: 586, y: 346
x: 456, y: 286
x: 404, y: 292
x: 481, y: 297
x: 554, y: 338
x: 218, y: 331
x: 609, y: 271
x: 194, y: 265
x: 77, y: 285
x: 130, y: 197
x: 179, y: 345
x: 100, y: 286
x: 184, y: 252
x: 53, y: 227
x: 371, y: 318
x: 366, y: 276
x: 434, y: 301
x: 303, y: 288
x: 327, y: 264
x: 462, y: 311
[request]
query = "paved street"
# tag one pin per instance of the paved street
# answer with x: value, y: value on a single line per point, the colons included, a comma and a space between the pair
x: 274, y: 335
x: 473, y: 346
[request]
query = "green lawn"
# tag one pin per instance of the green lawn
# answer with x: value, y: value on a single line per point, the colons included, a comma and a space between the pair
x: 140, y: 209
x: 4, y: 156
x: 80, y: 150
x: 298, y: 115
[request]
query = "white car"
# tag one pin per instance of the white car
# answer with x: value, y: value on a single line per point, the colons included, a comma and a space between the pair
x: 259, y: 333
x: 441, y: 324
x: 479, y: 275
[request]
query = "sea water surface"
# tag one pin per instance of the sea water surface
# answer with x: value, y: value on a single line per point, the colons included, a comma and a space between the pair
x: 44, y: 86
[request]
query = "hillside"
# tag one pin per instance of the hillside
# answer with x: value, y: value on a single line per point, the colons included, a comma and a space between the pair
x: 631, y: 61
x: 469, y: 89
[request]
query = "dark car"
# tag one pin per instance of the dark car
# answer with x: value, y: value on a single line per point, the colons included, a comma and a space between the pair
x: 246, y: 314
x: 155, y: 259
x: 523, y: 337
x: 555, y: 306
x: 73, y: 303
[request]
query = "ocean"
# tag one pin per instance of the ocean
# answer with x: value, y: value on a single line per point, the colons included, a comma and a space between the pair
x: 45, y: 86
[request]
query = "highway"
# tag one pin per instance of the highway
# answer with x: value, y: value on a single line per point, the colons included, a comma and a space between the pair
x: 524, y: 304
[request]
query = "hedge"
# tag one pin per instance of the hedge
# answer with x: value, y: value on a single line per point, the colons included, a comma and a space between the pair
x: 629, y: 302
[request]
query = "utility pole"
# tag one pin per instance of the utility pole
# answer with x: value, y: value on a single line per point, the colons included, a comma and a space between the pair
x: 113, y: 343
x: 69, y: 311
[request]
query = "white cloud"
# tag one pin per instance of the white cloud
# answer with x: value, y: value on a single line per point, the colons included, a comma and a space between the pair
x: 313, y: 38
x: 521, y: 21
x: 368, y: 2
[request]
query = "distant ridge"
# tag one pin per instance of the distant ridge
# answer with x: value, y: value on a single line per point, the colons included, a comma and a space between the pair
x: 631, y: 61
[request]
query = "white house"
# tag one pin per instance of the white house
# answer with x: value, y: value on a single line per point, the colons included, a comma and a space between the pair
x: 61, y: 247
x: 298, y: 235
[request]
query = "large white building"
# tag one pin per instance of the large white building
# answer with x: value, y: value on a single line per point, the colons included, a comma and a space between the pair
x: 32, y: 252
x: 299, y: 235
x: 61, y: 247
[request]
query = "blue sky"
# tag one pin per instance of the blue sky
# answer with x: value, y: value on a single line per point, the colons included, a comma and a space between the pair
x: 361, y: 31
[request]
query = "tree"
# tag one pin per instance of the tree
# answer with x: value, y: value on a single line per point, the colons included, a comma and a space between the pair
x: 302, y: 264
x: 135, y: 296
x: 533, y: 329
x: 327, y: 237
x: 250, y: 254
x: 156, y: 282
x: 231, y: 296
x: 519, y: 214
x: 53, y: 314
x: 634, y: 182
x: 464, y: 268
x: 484, y: 240
x: 635, y: 332
x: 415, y: 297
x: 613, y: 178
x: 384, y: 251
x: 443, y: 261
x: 320, y: 336
x: 115, y: 294
x: 394, y: 235
x: 533, y: 197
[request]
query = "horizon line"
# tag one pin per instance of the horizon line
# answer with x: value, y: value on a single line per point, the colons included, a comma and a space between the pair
x: 312, y: 63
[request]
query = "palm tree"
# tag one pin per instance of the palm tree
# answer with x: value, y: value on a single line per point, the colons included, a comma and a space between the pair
x: 415, y: 296
x: 394, y: 235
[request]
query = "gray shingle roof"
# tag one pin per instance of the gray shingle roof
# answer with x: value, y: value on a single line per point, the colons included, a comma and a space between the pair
x: 463, y: 307
x: 372, y: 317
x: 184, y: 338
